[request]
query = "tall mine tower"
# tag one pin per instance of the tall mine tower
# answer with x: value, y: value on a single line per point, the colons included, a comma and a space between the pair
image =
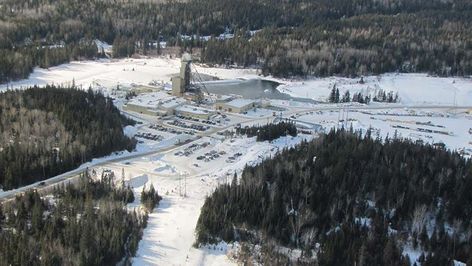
x: 181, y: 83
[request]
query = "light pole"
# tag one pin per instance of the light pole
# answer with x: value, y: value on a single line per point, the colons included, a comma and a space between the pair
x: 185, y: 184
x: 180, y: 184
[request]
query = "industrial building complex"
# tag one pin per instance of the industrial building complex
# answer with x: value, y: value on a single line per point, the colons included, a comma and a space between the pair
x: 186, y: 98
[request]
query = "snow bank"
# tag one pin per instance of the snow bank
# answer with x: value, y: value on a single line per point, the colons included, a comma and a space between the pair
x: 130, y: 131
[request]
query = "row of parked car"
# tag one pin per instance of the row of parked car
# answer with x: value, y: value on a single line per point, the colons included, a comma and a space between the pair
x: 171, y: 130
x: 191, y: 149
x: 149, y: 136
x: 211, y: 155
x: 204, y: 121
x: 231, y: 159
x: 181, y: 124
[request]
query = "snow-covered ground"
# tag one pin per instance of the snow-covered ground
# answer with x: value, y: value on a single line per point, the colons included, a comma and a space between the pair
x: 411, y: 88
x: 111, y: 72
x: 105, y: 72
x: 438, y: 126
x: 169, y: 236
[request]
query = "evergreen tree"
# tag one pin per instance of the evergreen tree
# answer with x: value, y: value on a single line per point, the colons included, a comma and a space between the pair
x: 332, y: 95
x: 81, y: 125
x: 346, y: 97
x: 87, y: 224
x: 292, y: 200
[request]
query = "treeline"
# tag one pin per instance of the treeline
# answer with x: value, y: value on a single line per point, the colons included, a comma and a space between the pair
x: 305, y: 37
x: 83, y: 224
x: 379, y: 96
x: 269, y: 131
x: 358, y: 45
x: 363, y: 200
x: 18, y: 63
x: 47, y: 131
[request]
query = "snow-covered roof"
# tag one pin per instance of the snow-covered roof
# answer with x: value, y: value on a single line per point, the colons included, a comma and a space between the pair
x: 193, y: 109
x: 238, y: 103
x: 224, y: 98
x: 156, y: 100
x: 171, y: 103
x: 140, y: 102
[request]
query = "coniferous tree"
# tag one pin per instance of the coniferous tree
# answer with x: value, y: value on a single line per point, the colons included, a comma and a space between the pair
x: 296, y: 201
x: 81, y: 125
x: 87, y: 224
x: 346, y: 97
x: 332, y: 95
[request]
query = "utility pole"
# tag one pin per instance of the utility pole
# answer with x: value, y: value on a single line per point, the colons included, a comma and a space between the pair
x: 339, y: 114
x: 455, y: 92
x: 180, y: 184
x: 455, y: 101
x: 185, y: 184
x: 286, y: 138
x: 123, y: 177
x: 347, y: 116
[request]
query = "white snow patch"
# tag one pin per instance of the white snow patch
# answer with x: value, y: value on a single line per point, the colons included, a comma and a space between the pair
x: 130, y: 131
x: 412, y: 88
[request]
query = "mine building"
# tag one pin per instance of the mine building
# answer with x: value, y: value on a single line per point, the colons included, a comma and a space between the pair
x: 194, y: 112
x: 181, y: 83
x: 237, y: 105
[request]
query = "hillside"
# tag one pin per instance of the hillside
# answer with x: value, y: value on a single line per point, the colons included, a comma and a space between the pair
x: 303, y: 37
x: 47, y: 131
x: 344, y: 199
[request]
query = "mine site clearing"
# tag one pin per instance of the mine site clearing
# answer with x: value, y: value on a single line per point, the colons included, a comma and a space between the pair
x: 186, y: 134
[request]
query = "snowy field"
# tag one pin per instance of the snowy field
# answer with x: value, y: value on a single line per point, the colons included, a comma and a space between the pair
x: 109, y: 73
x: 411, y: 88
x: 106, y: 73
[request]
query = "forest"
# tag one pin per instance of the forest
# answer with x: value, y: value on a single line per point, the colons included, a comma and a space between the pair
x: 351, y: 199
x: 294, y: 38
x: 82, y: 224
x: 48, y: 131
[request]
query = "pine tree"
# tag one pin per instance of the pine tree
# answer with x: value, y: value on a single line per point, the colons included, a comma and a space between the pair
x: 332, y: 95
x: 346, y: 97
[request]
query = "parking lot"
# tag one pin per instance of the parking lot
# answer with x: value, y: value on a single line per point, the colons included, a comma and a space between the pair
x: 214, y: 120
x: 149, y: 136
x: 171, y: 130
x: 179, y: 123
x: 211, y: 155
x: 191, y: 149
